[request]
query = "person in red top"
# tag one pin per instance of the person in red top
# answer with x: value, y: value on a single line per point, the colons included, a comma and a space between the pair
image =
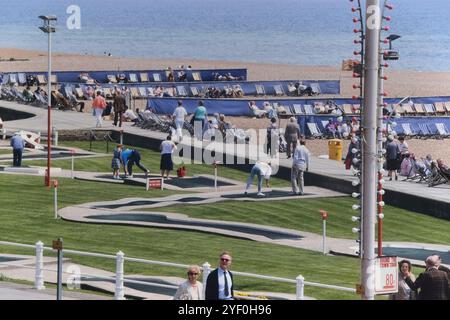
x: 99, y: 104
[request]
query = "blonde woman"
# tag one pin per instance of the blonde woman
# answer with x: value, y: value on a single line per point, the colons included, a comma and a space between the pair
x: 191, y: 289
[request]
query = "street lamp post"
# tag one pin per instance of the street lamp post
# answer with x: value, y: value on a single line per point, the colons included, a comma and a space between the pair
x: 48, y: 27
x: 371, y: 66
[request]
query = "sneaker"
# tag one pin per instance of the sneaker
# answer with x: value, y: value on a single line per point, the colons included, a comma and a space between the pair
x: 260, y: 194
x: 130, y: 176
x: 245, y: 192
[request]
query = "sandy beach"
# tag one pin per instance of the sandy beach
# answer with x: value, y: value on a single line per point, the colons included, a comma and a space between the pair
x: 401, y: 83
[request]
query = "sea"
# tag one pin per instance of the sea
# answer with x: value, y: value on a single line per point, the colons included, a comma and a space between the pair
x: 307, y: 32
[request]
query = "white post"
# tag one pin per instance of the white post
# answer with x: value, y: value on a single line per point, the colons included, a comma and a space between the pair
x: 162, y: 183
x: 300, y: 292
x: 206, y: 271
x: 72, y: 165
x: 119, y: 293
x: 324, y: 236
x: 39, y: 273
x: 56, y: 201
x: 3, y: 133
x: 147, y: 181
x: 215, y: 177
x: 55, y: 136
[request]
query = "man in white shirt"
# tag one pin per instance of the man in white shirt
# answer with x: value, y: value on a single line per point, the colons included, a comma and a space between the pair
x: 179, y: 115
x: 300, y: 164
x: 219, y: 285
x: 262, y: 170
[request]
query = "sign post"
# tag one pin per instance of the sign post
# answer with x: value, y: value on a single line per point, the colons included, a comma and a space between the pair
x: 58, y: 245
x: 386, y: 275
x: 215, y: 163
x: 73, y: 163
x: 324, y: 229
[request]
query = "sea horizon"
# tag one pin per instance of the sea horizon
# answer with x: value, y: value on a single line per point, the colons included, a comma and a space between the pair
x: 293, y: 32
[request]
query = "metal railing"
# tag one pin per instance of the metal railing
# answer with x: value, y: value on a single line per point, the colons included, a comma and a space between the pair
x: 120, y: 279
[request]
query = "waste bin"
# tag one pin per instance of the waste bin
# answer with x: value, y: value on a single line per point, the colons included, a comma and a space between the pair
x: 335, y: 149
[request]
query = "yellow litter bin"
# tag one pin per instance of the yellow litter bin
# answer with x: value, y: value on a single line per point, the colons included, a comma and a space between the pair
x: 335, y: 149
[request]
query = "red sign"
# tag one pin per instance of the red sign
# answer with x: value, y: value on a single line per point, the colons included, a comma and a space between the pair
x: 155, y: 183
x: 324, y: 214
x: 55, y: 183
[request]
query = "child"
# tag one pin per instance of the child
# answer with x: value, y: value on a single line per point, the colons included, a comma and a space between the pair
x: 116, y: 161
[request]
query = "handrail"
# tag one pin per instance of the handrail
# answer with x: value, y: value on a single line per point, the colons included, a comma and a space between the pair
x: 120, y: 258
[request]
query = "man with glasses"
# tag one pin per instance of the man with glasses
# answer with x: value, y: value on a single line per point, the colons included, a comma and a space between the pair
x: 219, y: 285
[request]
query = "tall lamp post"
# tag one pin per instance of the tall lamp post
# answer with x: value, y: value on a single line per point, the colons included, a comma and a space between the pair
x: 49, y: 28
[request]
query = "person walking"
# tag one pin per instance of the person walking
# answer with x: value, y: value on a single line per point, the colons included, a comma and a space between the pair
x: 179, y: 115
x: 261, y: 170
x: 99, y: 105
x: 392, y: 157
x: 219, y: 284
x: 166, y: 165
x: 272, y: 138
x: 433, y: 283
x: 404, y: 291
x: 292, y: 135
x: 18, y: 144
x: 191, y: 289
x: 119, y: 106
x: 300, y: 164
x: 200, y: 116
x: 354, y: 144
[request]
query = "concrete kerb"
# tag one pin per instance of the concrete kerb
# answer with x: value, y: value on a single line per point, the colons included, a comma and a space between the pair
x: 80, y: 213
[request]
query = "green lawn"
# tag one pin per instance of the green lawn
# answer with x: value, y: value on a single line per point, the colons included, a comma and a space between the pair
x: 26, y: 208
x: 303, y: 214
x: 6, y: 151
x: 150, y: 159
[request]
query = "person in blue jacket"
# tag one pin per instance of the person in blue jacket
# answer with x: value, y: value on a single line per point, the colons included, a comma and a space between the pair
x: 132, y: 157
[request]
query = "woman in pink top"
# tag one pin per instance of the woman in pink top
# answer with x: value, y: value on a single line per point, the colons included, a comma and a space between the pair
x: 99, y: 104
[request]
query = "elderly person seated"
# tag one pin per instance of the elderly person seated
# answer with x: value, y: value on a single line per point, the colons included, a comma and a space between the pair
x: 271, y: 111
x: 28, y: 94
x: 130, y: 115
x: 331, y: 129
x: 445, y: 170
x: 256, y: 112
x: 223, y: 125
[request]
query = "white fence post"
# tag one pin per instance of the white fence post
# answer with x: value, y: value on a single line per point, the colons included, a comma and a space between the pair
x: 119, y: 294
x: 39, y: 276
x: 300, y: 292
x: 206, y: 271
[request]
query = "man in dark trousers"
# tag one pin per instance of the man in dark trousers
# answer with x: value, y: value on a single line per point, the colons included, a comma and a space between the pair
x: 18, y: 144
x: 119, y: 107
x: 131, y: 157
x: 433, y: 283
x: 219, y: 285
